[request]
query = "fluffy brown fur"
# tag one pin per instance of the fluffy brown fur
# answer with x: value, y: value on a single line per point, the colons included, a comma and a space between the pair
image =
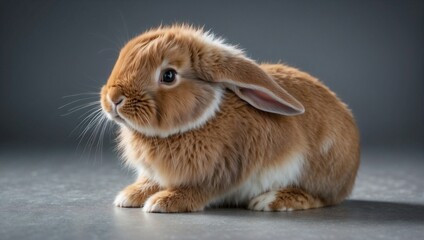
x: 189, y: 154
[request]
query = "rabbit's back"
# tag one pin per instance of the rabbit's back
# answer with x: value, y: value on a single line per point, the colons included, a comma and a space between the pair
x: 331, y: 149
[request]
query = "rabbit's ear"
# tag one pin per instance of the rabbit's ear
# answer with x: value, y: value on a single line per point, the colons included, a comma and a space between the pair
x: 252, y: 84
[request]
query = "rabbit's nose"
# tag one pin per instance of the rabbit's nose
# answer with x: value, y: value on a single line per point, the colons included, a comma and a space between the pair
x: 115, y: 96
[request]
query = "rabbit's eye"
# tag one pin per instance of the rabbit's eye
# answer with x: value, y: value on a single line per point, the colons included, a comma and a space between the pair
x: 168, y: 76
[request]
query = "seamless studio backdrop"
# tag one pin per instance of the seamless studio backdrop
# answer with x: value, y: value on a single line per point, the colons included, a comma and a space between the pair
x: 370, y: 53
x: 54, y: 185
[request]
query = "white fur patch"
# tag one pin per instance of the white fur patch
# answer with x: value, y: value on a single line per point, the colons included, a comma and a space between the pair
x: 326, y: 145
x: 271, y: 179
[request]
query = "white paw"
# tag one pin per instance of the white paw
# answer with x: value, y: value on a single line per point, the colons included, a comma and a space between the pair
x: 123, y: 200
x: 152, y: 205
x: 262, y: 202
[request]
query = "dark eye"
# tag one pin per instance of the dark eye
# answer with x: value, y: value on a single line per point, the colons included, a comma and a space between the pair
x: 168, y: 76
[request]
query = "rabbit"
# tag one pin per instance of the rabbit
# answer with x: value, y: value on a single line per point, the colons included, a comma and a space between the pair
x: 205, y: 126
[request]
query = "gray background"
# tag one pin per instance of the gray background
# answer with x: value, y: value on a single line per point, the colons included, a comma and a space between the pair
x: 370, y: 53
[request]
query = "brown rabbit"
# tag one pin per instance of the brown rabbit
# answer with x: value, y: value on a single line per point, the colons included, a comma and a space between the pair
x: 204, y: 125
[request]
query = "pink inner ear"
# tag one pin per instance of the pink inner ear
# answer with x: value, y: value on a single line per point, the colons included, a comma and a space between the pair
x: 263, y: 96
x: 266, y: 102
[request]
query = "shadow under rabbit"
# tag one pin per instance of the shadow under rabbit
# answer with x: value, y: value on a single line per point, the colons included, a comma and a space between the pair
x: 348, y: 211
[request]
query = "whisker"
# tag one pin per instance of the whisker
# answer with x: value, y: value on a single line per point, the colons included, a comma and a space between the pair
x: 90, y: 124
x: 101, y: 138
x: 91, y: 109
x: 98, y: 129
x: 87, y: 118
x: 75, y: 101
x: 78, y: 108
x: 80, y: 94
x: 85, y: 131
x: 92, y: 137
x: 84, y: 105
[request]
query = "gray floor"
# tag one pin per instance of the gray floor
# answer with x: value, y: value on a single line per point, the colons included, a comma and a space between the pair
x: 58, y: 195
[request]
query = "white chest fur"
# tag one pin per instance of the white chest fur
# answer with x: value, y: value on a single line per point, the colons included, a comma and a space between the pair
x: 264, y: 180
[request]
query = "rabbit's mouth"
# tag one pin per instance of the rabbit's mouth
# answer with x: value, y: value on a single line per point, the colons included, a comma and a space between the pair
x: 124, y: 122
x: 118, y: 118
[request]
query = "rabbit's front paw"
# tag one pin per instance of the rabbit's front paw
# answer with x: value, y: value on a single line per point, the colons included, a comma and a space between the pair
x: 171, y: 201
x: 128, y: 199
x: 134, y: 195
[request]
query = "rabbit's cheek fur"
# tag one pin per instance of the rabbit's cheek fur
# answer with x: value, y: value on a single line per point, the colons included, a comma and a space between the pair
x: 173, y: 119
x: 179, y: 115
